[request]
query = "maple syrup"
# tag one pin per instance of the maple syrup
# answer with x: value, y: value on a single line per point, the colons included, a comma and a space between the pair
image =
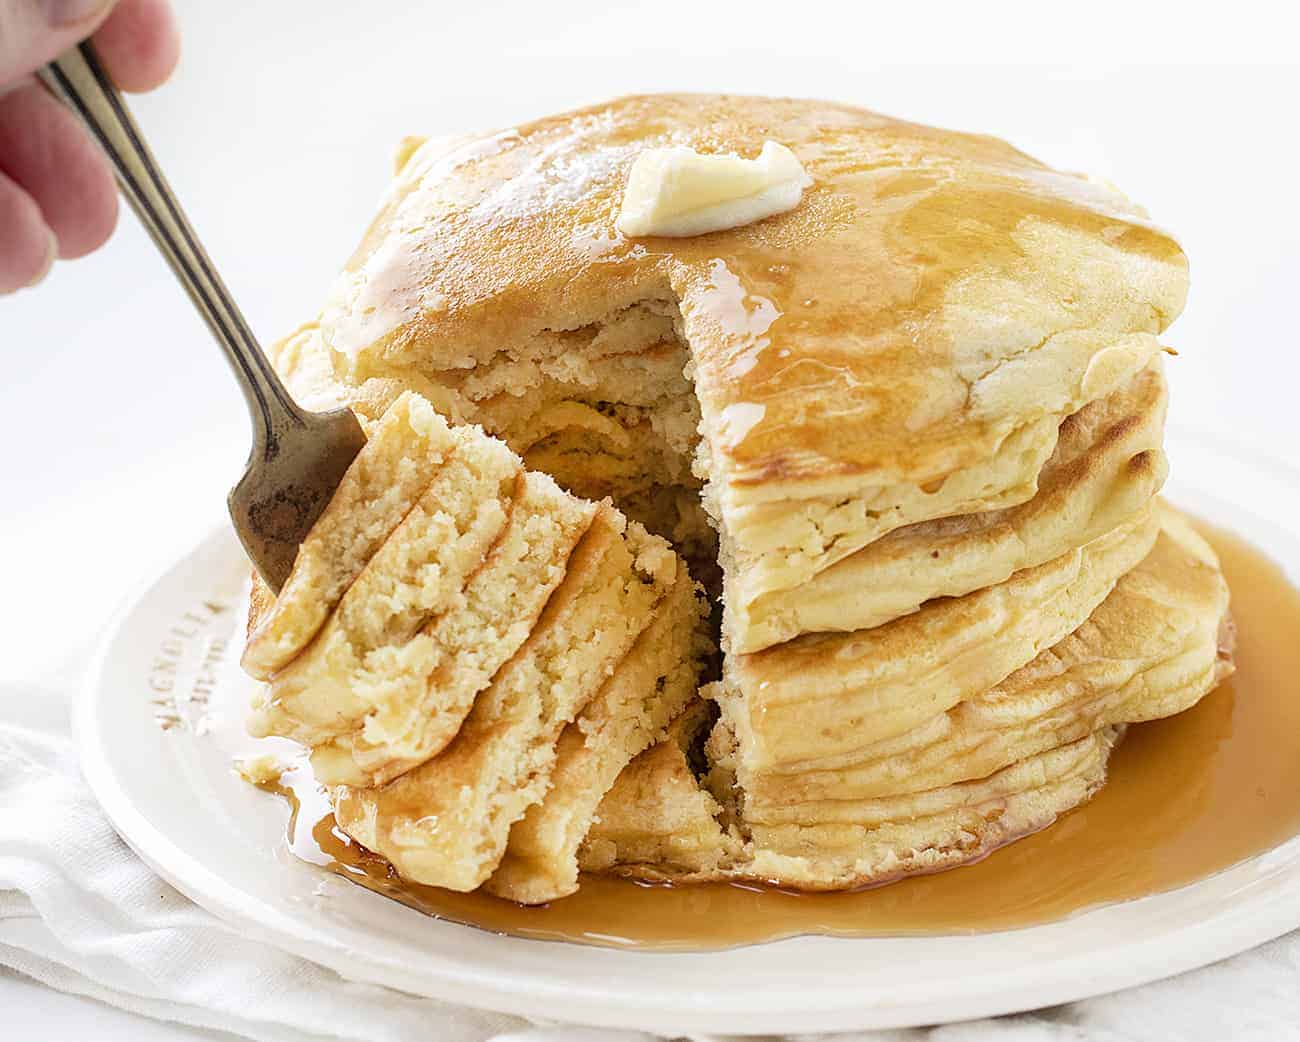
x: 1186, y: 797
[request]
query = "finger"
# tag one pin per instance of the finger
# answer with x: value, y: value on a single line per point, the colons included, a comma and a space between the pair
x: 44, y: 150
x: 139, y: 44
x: 27, y: 246
x: 32, y: 32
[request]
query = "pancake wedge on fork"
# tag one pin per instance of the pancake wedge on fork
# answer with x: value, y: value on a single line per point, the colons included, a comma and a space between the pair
x: 448, y: 821
x: 450, y: 593
x: 502, y: 632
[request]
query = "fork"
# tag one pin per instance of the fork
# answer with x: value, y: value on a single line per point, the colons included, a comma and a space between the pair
x: 298, y: 457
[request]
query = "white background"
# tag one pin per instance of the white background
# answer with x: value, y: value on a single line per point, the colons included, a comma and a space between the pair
x: 123, y: 430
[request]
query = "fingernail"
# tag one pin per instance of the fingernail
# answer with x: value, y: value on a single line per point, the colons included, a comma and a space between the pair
x: 51, y: 253
x: 64, y: 13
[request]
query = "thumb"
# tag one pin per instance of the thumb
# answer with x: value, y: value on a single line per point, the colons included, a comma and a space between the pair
x: 32, y: 32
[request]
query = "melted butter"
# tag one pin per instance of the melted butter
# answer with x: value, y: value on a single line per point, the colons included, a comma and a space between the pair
x: 740, y: 320
x: 386, y: 282
x: 738, y: 419
x: 1187, y: 797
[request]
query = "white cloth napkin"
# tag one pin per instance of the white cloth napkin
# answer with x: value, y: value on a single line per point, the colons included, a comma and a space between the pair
x: 81, y: 913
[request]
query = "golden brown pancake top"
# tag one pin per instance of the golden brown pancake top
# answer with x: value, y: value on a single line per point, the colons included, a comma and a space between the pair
x: 881, y: 327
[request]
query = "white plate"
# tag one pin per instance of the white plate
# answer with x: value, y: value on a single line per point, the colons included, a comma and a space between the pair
x: 173, y: 796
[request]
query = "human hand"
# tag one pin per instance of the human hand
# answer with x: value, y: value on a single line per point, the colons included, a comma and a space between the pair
x: 57, y: 195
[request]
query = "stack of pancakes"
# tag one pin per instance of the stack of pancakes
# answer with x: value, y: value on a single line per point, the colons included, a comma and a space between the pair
x: 907, y: 435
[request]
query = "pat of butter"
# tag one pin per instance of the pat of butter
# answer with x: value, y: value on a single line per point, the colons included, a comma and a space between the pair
x: 679, y: 192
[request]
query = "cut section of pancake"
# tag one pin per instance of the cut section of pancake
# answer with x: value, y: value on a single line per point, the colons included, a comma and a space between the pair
x: 418, y: 692
x: 998, y: 766
x: 684, y: 840
x: 657, y: 822
x: 381, y: 486
x: 447, y: 822
x: 1106, y: 468
x: 621, y: 425
x: 447, y: 598
x: 821, y: 699
x: 880, y: 840
x: 649, y: 688
x: 415, y: 574
x: 431, y: 681
x: 1150, y: 650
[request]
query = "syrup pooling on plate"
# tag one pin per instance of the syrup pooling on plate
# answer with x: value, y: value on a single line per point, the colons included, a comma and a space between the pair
x: 1187, y: 796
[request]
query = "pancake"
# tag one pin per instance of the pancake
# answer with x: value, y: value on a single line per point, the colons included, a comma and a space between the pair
x: 420, y: 692
x: 447, y: 822
x: 1106, y: 467
x: 683, y: 837
x: 902, y: 346
x: 1150, y: 650
x: 926, y: 832
x: 1000, y: 765
x: 541, y: 859
x: 380, y: 487
x: 415, y: 574
x: 440, y: 605
x: 657, y: 822
x: 602, y: 436
x: 822, y: 698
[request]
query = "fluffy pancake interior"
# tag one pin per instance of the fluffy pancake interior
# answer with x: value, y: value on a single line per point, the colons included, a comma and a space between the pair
x: 607, y: 410
x: 447, y: 822
x: 649, y: 689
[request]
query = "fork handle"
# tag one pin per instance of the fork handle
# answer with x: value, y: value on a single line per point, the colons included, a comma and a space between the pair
x: 78, y: 78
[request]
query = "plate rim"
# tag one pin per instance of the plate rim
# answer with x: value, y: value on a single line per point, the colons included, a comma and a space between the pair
x: 1234, y: 928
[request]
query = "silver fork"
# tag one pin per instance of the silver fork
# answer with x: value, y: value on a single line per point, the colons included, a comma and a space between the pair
x: 298, y: 457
